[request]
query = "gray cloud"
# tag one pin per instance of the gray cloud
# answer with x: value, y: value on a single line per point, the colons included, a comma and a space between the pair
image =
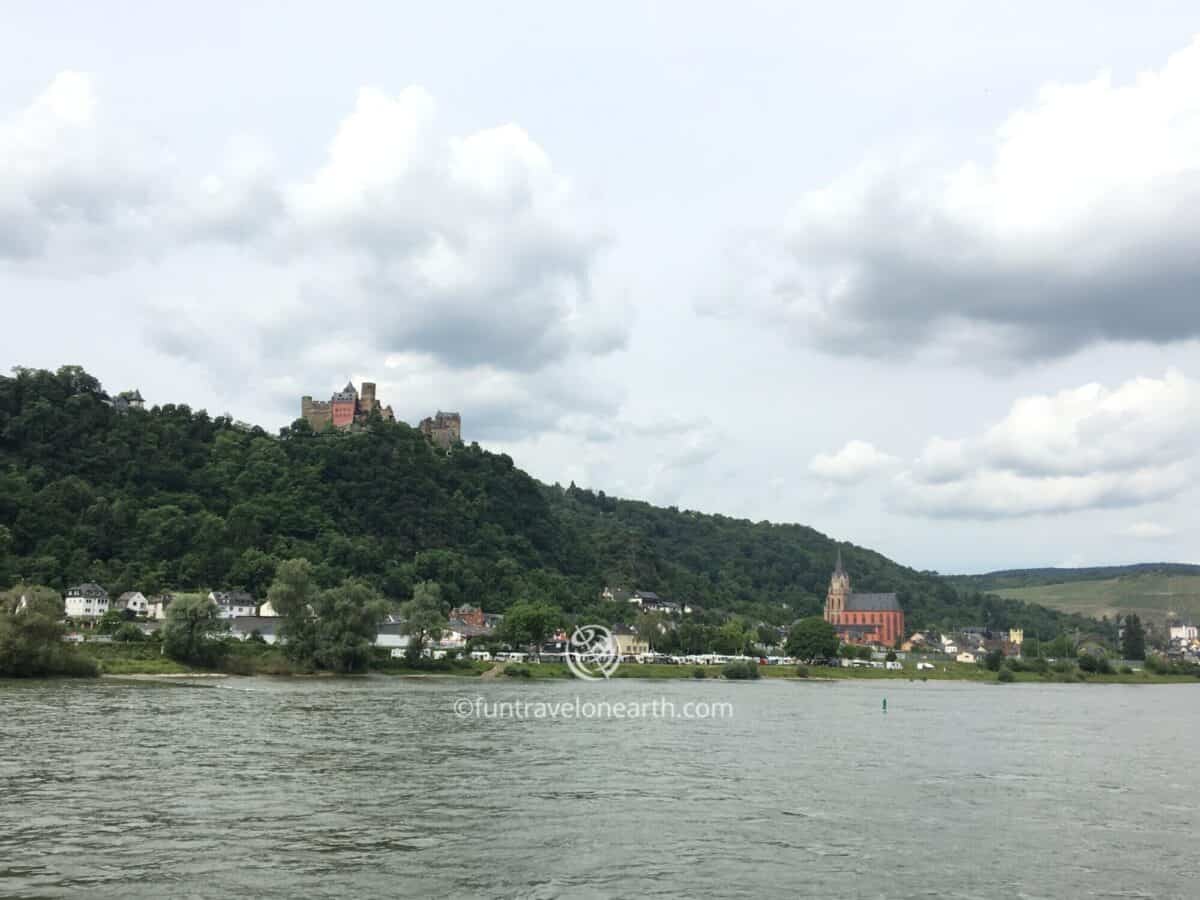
x: 1080, y: 229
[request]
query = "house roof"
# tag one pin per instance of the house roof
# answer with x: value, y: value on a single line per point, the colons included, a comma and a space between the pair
x: 872, y: 603
x: 647, y: 595
x: 466, y: 629
x: 87, y: 589
x: 233, y: 598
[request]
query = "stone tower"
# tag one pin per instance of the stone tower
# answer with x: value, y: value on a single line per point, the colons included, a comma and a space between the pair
x: 839, y: 589
x: 366, y: 399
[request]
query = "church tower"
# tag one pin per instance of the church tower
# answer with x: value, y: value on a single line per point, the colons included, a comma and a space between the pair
x: 839, y: 588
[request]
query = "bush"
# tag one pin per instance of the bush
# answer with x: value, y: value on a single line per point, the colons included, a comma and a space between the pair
x: 740, y: 670
x: 1006, y: 675
x: 698, y: 672
x: 1126, y: 670
x: 236, y: 664
x: 801, y: 671
x: 128, y: 634
x: 517, y: 670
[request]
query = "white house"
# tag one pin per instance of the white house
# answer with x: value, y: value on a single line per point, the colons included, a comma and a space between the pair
x: 1180, y: 632
x: 391, y: 634
x: 967, y: 656
x: 232, y: 604
x: 244, y: 627
x: 86, y: 601
x: 156, y: 607
x: 133, y: 601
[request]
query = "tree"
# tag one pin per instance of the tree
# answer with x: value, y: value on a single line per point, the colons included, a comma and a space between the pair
x: 424, y: 617
x: 333, y: 629
x: 811, y: 639
x: 189, y: 631
x: 1133, y: 641
x: 347, y: 623
x: 890, y: 657
x: 31, y: 633
x: 530, y: 622
x: 994, y: 660
x: 110, y: 621
x: 128, y: 633
x: 293, y: 595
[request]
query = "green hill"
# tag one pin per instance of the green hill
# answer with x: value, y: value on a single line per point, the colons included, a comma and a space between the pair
x: 171, y: 498
x: 1153, y: 595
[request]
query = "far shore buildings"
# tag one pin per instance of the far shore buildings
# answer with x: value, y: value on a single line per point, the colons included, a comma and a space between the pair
x: 862, y: 618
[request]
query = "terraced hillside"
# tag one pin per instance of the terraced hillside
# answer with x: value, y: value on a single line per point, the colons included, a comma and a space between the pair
x: 1153, y: 596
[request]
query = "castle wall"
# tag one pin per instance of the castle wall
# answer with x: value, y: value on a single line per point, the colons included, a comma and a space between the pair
x: 343, y: 413
x: 317, y: 413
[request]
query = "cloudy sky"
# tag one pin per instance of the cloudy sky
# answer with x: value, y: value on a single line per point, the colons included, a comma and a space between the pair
x: 923, y: 276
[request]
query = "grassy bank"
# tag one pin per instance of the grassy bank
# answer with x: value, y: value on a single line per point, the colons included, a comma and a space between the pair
x: 261, y: 659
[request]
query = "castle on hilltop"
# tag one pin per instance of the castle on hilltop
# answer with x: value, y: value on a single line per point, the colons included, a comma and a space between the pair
x: 344, y: 409
x: 444, y: 429
x: 348, y: 410
x: 862, y: 618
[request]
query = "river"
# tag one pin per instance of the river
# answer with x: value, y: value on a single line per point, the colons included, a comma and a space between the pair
x: 378, y: 787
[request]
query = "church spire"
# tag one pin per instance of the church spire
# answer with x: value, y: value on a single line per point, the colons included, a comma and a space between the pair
x: 838, y: 570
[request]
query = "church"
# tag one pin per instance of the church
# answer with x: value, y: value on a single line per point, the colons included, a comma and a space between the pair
x: 862, y: 618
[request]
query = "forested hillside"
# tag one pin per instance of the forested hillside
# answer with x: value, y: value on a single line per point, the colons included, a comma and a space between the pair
x: 172, y: 498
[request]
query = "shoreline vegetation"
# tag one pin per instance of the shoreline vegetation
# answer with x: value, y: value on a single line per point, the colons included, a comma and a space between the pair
x: 145, y: 660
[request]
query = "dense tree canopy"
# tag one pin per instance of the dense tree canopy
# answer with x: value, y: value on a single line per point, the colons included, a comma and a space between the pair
x: 172, y: 498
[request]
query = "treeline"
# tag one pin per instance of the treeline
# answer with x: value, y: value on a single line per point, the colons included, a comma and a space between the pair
x: 173, y: 498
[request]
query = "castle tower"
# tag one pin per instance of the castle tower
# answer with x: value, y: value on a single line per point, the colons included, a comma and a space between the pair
x: 366, y: 399
x: 343, y: 404
x: 839, y: 588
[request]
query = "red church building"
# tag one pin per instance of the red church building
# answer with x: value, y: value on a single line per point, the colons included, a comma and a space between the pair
x: 862, y: 618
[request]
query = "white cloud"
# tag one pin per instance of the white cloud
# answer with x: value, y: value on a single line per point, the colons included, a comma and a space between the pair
x: 1079, y: 228
x: 1149, y: 531
x: 856, y: 461
x: 1084, y: 448
x: 67, y: 185
x: 468, y: 252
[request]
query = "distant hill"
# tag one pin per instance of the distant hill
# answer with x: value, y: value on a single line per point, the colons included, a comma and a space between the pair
x: 170, y: 498
x: 1155, y: 591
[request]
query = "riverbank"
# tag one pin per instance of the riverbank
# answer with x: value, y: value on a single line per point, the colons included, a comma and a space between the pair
x: 249, y: 660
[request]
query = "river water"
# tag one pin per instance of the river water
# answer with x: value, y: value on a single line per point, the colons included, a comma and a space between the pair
x: 377, y: 787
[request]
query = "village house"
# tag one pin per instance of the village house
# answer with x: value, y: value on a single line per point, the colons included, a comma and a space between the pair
x: 133, y: 602
x: 646, y: 601
x: 245, y: 627
x: 628, y: 642
x: 86, y: 601
x: 1182, y: 632
x: 231, y: 604
x: 967, y: 656
x: 156, y: 606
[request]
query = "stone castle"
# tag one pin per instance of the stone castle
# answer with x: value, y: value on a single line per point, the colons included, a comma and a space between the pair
x: 348, y: 410
x: 444, y: 429
x: 344, y: 409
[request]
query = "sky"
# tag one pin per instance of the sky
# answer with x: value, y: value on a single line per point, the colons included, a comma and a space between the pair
x: 923, y: 276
